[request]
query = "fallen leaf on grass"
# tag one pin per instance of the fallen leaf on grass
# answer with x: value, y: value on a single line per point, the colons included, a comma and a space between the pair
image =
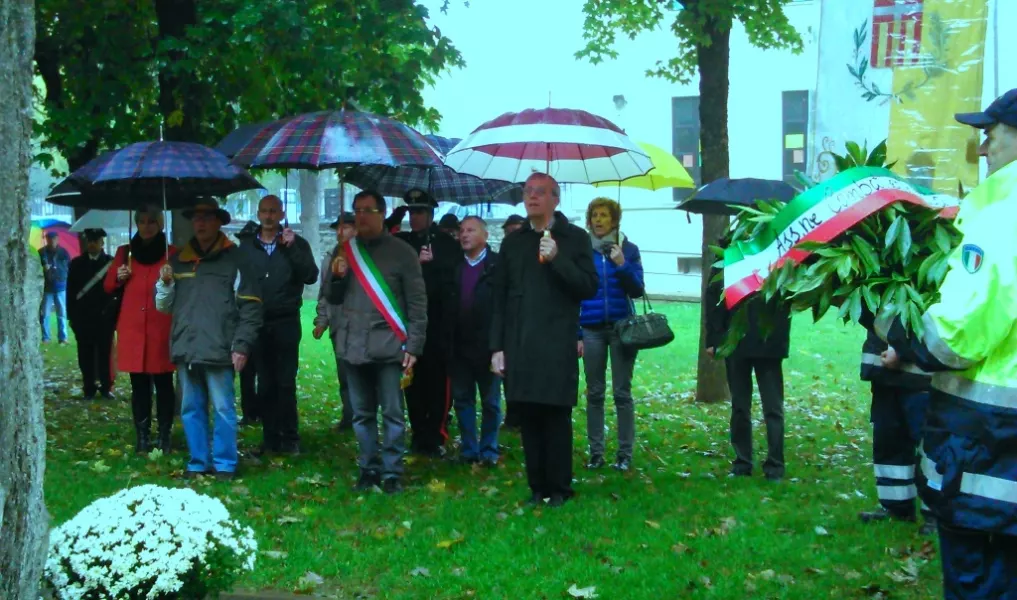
x: 653, y: 524
x: 852, y: 575
x: 241, y: 490
x: 436, y: 486
x: 768, y: 574
x: 275, y: 554
x: 420, y: 572
x: 446, y: 544
x: 458, y: 571
x: 407, y: 524
x: 679, y: 549
x: 99, y: 467
x: 501, y: 516
x: 820, y: 530
x: 288, y: 520
x: 814, y: 571
x: 589, y: 592
x: 310, y: 580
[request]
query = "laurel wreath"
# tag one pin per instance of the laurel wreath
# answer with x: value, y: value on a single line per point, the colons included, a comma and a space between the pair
x: 936, y: 63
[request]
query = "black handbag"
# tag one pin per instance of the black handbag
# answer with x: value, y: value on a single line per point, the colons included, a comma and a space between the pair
x: 645, y: 331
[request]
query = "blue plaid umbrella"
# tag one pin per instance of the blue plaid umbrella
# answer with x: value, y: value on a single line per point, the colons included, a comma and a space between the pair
x: 170, y: 174
x: 444, y: 184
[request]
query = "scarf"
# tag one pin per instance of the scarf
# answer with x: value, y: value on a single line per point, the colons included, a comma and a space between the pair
x: 148, y: 252
x: 601, y: 243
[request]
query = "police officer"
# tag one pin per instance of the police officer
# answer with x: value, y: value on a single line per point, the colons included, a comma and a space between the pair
x: 92, y: 315
x: 899, y: 400
x: 428, y: 397
x: 968, y: 469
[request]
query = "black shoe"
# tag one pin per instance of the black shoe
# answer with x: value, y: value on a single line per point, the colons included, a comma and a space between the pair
x: 557, y: 500
x: 535, y: 499
x: 466, y: 460
x: 881, y: 514
x: 623, y: 464
x: 774, y: 477
x: 143, y: 439
x: 392, y: 485
x: 928, y: 527
x: 490, y: 462
x: 368, y: 480
x: 737, y: 472
x: 292, y: 449
x: 89, y: 394
x: 596, y: 462
x: 344, y: 425
x: 247, y: 422
x: 225, y: 475
x: 195, y: 474
x: 107, y: 395
x: 164, y: 444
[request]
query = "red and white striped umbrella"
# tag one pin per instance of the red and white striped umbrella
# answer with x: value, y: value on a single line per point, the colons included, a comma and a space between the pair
x: 573, y: 146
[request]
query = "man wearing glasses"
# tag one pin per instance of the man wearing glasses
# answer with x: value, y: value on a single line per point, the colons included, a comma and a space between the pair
x: 381, y: 329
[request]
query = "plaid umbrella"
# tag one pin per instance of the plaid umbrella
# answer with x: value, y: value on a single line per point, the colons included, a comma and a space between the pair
x: 444, y: 184
x: 333, y: 139
x: 170, y: 174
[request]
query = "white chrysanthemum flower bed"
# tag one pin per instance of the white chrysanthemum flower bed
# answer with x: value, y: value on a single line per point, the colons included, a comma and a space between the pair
x: 149, y: 542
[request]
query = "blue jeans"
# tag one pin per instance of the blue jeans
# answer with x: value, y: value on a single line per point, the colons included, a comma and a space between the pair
x: 198, y: 384
x: 467, y: 379
x: 59, y: 300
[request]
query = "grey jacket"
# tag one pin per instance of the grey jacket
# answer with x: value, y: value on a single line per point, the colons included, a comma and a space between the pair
x: 363, y: 335
x: 215, y: 303
x: 326, y: 313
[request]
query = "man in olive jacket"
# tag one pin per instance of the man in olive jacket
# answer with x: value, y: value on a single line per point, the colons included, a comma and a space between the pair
x: 216, y: 308
x: 546, y: 271
x: 381, y: 331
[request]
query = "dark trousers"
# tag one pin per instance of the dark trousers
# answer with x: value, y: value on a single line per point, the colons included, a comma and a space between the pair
x: 250, y: 402
x: 977, y: 564
x: 511, y: 414
x: 770, y: 377
x: 141, y: 400
x: 344, y: 391
x: 427, y: 401
x: 277, y: 353
x: 374, y: 387
x: 897, y: 417
x: 469, y: 377
x: 547, y: 447
x: 94, y: 350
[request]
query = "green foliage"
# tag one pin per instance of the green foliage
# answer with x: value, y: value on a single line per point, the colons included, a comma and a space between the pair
x: 893, y: 261
x: 113, y: 75
x: 764, y: 20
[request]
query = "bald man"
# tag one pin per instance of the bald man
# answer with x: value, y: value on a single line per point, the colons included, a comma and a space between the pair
x: 285, y: 264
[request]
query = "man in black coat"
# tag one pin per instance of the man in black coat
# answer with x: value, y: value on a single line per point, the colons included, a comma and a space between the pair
x: 764, y: 353
x: 249, y: 401
x: 546, y: 270
x: 92, y: 315
x: 428, y: 397
x: 468, y: 310
x: 285, y: 264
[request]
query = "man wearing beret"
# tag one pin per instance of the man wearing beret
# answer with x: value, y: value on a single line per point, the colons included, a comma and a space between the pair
x: 428, y: 397
x: 92, y: 315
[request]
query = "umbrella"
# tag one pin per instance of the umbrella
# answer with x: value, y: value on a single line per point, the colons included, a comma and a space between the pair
x: 110, y: 220
x: 168, y: 173
x: 667, y: 172
x: 444, y: 184
x: 41, y: 227
x: 333, y: 139
x: 239, y: 138
x: 573, y: 146
x: 717, y: 197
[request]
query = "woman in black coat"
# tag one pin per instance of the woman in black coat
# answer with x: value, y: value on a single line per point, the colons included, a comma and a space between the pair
x: 546, y: 271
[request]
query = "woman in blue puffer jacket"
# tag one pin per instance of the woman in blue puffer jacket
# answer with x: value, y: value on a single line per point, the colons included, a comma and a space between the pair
x: 621, y: 279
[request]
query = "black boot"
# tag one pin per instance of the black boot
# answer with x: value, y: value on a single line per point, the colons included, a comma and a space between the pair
x: 164, y: 437
x: 143, y: 432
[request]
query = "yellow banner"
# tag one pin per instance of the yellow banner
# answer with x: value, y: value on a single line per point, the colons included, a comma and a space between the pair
x: 933, y: 149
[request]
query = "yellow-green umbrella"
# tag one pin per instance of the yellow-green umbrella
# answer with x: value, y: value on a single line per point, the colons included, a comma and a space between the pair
x: 667, y: 172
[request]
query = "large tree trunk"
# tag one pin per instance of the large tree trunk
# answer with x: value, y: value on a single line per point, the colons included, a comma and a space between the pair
x: 24, y: 522
x: 310, y: 218
x: 713, y: 59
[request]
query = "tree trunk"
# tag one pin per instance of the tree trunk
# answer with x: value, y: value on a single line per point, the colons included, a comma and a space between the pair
x: 24, y: 522
x: 310, y: 219
x: 713, y: 59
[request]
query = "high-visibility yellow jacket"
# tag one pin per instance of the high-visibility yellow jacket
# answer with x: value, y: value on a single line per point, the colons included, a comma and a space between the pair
x: 968, y: 471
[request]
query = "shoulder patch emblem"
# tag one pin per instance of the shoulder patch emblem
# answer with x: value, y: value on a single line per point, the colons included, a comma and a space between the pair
x: 972, y: 257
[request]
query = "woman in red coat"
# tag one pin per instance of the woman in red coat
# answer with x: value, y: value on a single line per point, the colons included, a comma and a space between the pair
x: 143, y: 333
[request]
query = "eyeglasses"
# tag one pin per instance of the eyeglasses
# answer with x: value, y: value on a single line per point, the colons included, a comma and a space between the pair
x: 366, y: 211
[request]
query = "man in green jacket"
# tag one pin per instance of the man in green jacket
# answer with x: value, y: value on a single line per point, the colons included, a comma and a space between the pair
x: 216, y: 308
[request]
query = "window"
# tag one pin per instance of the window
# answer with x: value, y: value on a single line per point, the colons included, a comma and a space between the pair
x: 794, y: 140
x: 685, y: 139
x: 689, y: 265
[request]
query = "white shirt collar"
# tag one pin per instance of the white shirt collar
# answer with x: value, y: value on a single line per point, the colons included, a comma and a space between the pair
x: 480, y: 258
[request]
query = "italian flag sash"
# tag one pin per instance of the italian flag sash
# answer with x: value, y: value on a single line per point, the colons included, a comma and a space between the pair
x: 819, y: 214
x: 370, y: 279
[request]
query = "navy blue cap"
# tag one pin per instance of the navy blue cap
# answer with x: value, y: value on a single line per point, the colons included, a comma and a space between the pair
x: 1002, y: 110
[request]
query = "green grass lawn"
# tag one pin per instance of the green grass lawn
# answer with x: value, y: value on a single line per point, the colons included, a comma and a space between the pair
x: 675, y: 527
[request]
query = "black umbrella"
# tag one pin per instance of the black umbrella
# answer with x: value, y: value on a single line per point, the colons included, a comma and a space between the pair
x: 716, y: 198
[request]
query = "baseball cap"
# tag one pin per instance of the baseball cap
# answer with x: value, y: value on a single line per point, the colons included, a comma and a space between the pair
x: 513, y: 220
x: 1002, y: 110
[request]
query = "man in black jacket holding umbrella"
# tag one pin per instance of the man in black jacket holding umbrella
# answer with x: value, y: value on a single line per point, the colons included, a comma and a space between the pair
x: 285, y: 264
x: 428, y: 397
x: 546, y: 271
x: 92, y: 315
